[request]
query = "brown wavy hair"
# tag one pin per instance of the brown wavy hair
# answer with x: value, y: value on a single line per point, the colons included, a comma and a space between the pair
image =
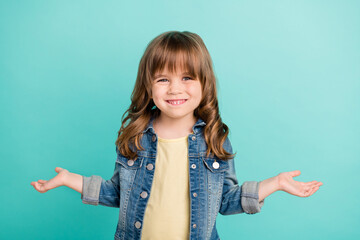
x: 172, y: 50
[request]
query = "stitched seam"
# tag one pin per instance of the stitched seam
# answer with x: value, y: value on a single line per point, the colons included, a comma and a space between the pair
x: 209, y: 213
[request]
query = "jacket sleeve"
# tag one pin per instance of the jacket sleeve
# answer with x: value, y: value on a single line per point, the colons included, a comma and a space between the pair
x: 235, y: 198
x: 97, y: 191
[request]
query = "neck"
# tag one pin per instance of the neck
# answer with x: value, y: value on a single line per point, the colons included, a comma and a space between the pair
x: 170, y: 128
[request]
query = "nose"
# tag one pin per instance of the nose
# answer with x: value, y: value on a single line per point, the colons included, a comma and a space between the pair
x: 175, y: 87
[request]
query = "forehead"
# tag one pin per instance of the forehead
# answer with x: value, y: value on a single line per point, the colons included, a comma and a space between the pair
x: 168, y: 71
x: 176, y: 63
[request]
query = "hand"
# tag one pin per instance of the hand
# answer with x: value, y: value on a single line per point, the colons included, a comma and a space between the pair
x: 43, y: 185
x: 301, y: 189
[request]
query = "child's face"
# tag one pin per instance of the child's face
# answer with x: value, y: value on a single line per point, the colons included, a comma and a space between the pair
x: 177, y: 95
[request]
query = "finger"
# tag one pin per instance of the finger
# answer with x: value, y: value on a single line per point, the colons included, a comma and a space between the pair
x: 295, y: 173
x: 307, y: 189
x: 310, y: 183
x: 58, y: 169
x: 40, y: 185
x: 312, y: 191
x: 42, y: 188
x: 37, y: 186
x: 306, y: 192
x: 315, y: 184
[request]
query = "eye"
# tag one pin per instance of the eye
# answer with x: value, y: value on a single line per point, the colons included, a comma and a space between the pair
x: 188, y: 78
x: 162, y: 80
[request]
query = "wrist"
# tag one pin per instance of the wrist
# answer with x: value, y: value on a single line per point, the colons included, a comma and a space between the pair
x: 278, y: 183
x: 73, y: 181
x: 65, y: 179
x: 268, y: 186
x: 281, y: 181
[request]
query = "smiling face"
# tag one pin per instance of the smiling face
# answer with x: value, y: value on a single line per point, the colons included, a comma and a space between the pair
x: 177, y: 94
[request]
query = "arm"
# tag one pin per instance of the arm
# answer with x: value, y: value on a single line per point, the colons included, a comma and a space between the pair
x: 235, y: 198
x: 239, y: 199
x: 104, y: 192
x: 285, y: 182
x: 94, y: 190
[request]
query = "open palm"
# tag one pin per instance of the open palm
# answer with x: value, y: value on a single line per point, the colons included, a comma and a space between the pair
x: 301, y: 189
x: 44, y: 185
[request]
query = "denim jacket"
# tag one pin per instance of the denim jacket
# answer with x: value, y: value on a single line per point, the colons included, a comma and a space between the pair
x: 213, y: 187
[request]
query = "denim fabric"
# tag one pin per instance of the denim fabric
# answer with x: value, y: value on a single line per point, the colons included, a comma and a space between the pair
x: 216, y: 187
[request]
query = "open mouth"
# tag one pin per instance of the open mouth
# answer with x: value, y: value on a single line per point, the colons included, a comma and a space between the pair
x: 176, y: 102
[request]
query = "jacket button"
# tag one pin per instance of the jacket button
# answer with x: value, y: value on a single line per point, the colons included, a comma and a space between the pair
x: 193, y: 166
x: 215, y: 165
x: 150, y: 167
x: 195, y: 194
x: 144, y: 194
x: 138, y: 224
x: 193, y: 138
x: 130, y: 162
x: 194, y: 225
x: 153, y: 138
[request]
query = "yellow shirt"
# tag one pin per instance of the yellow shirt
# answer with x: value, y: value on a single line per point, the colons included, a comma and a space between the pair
x: 167, y: 214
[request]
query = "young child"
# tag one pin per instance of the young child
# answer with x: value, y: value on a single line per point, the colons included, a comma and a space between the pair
x: 174, y: 169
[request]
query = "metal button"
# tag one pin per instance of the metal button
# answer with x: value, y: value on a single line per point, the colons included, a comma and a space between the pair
x: 193, y: 166
x: 215, y: 165
x: 195, y: 194
x: 130, y: 162
x: 138, y: 224
x: 194, y: 225
x: 144, y: 194
x: 150, y: 166
x: 153, y: 138
x: 193, y: 138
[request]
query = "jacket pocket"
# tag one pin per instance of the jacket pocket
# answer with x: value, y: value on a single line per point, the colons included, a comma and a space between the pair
x: 215, y: 174
x: 213, y: 167
x: 128, y: 169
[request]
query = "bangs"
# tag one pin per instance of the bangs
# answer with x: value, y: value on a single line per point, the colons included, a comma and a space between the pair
x: 175, y: 53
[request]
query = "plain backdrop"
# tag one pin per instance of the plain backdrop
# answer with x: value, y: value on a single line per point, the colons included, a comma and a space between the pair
x: 289, y: 84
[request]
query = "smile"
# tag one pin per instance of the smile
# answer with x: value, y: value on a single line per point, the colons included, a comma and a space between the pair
x: 176, y: 102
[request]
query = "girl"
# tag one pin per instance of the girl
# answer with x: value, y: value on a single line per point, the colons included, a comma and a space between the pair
x: 174, y: 169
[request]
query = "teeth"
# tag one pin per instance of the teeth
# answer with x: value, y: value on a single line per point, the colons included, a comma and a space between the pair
x: 177, y: 102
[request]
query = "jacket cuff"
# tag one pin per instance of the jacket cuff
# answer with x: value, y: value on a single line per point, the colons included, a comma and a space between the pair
x: 250, y: 197
x: 91, y: 190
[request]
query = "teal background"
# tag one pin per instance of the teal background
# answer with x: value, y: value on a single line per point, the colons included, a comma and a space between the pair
x: 289, y: 84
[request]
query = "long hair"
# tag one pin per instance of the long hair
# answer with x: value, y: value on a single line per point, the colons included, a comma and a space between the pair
x: 173, y: 50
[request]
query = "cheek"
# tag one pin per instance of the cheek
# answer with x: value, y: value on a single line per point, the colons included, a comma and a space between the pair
x: 156, y: 95
x: 196, y: 91
x: 154, y: 92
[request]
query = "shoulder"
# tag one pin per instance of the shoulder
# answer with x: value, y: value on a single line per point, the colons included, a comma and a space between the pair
x: 227, y: 145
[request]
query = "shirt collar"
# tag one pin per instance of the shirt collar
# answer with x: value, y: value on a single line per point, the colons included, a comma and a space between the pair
x: 199, y: 124
x: 150, y: 127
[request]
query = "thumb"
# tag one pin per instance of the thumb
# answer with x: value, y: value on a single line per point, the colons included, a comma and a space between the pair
x: 58, y: 169
x: 295, y: 173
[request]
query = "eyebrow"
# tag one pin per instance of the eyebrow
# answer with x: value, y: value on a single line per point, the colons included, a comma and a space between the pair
x: 161, y: 75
